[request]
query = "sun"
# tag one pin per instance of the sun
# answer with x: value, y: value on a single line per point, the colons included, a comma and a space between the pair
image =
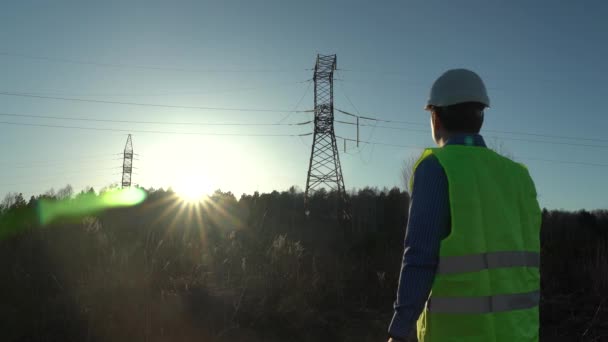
x: 193, y: 189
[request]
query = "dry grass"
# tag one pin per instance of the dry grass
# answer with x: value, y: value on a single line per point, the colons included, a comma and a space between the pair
x: 268, y: 274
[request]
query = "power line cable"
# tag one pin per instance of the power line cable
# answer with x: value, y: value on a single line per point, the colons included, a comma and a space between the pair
x: 403, y: 82
x: 383, y: 143
x: 142, y: 67
x: 92, y: 157
x: 358, y: 116
x: 152, y: 122
x: 33, y: 189
x: 549, y: 142
x: 489, y: 136
x: 53, y: 164
x: 398, y: 73
x: 54, y: 179
x: 69, y: 172
x: 523, y: 158
x: 151, y: 104
x: 486, y: 130
x: 388, y: 127
x: 183, y: 93
x: 367, y: 117
x: 548, y: 135
x: 371, y: 134
x: 148, y: 131
x: 564, y: 161
x: 297, y: 104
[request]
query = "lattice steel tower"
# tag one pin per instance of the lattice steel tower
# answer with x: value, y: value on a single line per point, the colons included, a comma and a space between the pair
x: 127, y: 163
x: 324, y: 169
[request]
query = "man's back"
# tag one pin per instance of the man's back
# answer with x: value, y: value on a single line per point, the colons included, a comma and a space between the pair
x: 470, y: 269
x: 487, y: 282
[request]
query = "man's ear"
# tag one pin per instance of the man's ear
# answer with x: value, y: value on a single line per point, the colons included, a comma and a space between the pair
x: 436, y: 121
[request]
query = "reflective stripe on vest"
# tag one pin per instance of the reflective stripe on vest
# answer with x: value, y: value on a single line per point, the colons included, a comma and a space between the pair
x: 481, y: 305
x: 478, y: 262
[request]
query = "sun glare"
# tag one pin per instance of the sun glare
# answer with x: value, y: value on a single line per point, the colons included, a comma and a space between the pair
x: 193, y: 189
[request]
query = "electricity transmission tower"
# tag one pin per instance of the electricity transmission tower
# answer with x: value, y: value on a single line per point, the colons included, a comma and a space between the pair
x: 324, y: 169
x: 127, y: 163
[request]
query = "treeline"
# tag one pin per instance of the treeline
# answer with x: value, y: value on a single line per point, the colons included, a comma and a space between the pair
x: 250, y: 269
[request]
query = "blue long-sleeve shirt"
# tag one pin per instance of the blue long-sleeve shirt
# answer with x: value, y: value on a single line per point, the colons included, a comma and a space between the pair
x: 428, y: 224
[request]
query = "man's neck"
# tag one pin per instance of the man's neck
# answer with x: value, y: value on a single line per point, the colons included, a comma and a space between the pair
x: 449, y: 136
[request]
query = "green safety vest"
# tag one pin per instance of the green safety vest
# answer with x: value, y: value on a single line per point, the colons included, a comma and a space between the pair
x: 487, y: 285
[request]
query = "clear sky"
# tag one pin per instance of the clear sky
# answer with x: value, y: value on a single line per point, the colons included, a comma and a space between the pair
x: 543, y: 63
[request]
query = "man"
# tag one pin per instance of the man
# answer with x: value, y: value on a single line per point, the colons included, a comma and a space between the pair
x: 470, y: 268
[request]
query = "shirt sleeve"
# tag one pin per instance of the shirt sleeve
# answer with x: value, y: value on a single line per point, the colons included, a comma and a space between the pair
x: 428, y: 224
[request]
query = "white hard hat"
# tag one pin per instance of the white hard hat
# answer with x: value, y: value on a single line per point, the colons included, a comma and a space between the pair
x: 457, y: 86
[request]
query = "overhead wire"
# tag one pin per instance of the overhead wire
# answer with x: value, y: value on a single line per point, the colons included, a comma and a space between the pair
x: 523, y: 158
x: 92, y: 157
x: 147, y: 94
x: 54, y: 179
x: 152, y: 122
x: 39, y: 96
x: 135, y: 66
x: 296, y: 107
x: 144, y: 104
x: 490, y: 136
x: 370, y: 118
x: 54, y: 164
x: 280, y: 123
x: 547, y: 135
x: 505, y: 138
x: 371, y: 134
x: 74, y: 184
x: 72, y: 171
x: 383, y: 143
x: 495, y: 131
x: 120, y: 65
x: 150, y: 131
x: 399, y: 73
x: 298, y: 103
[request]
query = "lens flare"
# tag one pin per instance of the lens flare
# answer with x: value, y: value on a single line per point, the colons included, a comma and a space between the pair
x: 86, y: 204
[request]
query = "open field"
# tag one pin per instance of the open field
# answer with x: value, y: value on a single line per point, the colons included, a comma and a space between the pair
x: 254, y: 269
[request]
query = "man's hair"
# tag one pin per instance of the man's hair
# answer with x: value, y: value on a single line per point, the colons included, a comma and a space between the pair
x: 464, y: 117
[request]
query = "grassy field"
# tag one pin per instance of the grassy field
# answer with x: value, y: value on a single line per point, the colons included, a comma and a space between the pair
x: 254, y: 269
